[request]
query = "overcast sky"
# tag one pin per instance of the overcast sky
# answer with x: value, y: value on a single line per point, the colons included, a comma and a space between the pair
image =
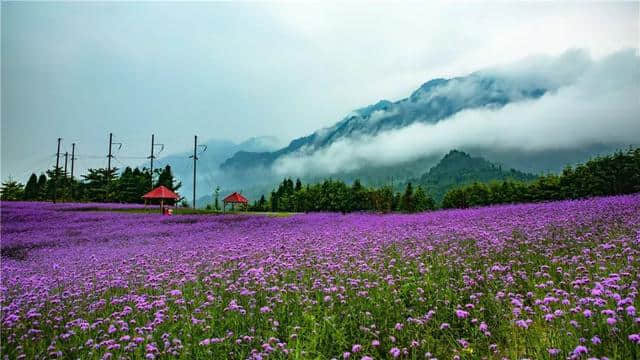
x: 235, y: 70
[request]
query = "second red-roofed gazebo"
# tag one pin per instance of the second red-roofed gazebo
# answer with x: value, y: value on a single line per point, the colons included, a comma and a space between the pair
x: 163, y: 193
x: 233, y: 199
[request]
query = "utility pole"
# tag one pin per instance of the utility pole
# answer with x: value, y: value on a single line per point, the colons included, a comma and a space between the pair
x: 73, y: 157
x: 66, y: 159
x: 108, y: 174
x: 195, y: 157
x: 109, y: 156
x: 153, y: 145
x: 55, y: 179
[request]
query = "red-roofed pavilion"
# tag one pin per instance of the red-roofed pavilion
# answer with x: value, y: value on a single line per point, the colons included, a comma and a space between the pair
x: 162, y: 193
x: 233, y: 199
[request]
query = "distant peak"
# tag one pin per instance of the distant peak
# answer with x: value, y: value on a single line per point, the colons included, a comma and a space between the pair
x: 456, y: 153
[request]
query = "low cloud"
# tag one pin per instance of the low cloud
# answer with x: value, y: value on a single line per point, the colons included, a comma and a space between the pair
x: 591, y: 102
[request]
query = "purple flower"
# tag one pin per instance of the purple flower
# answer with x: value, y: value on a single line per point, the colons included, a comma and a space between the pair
x: 522, y: 323
x: 356, y: 348
x: 554, y: 352
x: 483, y: 327
x: 631, y: 310
x: 395, y: 352
x: 205, y: 342
x: 596, y: 340
x: 461, y: 314
x: 580, y: 350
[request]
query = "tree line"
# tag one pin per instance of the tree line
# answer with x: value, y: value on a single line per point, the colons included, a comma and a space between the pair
x: 98, y: 185
x: 336, y: 196
x: 614, y: 174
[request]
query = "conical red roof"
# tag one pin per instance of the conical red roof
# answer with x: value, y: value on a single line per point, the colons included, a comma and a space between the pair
x: 236, y: 198
x: 161, y: 192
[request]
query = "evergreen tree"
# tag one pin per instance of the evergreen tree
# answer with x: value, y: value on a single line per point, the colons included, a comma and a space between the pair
x: 216, y: 197
x: 31, y: 189
x: 166, y: 178
x: 142, y: 180
x: 359, y: 197
x: 11, y: 190
x: 298, y: 185
x: 127, y: 189
x: 42, y: 187
x: 274, y: 201
x: 57, y: 182
x: 422, y: 201
x: 407, y: 203
x: 99, y: 184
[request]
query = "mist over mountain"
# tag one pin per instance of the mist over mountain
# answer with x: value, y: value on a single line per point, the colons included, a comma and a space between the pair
x: 539, y: 113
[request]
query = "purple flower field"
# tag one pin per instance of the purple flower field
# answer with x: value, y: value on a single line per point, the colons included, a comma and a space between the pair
x: 541, y: 281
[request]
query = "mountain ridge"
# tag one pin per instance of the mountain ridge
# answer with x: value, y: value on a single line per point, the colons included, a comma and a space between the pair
x: 458, y: 168
x: 433, y: 101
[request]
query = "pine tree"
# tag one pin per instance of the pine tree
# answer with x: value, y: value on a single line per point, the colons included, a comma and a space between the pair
x: 127, y: 187
x: 99, y: 184
x: 216, y: 196
x: 422, y: 201
x: 42, y: 187
x: 11, y: 190
x: 31, y: 189
x: 166, y: 179
x: 274, y: 201
x: 261, y: 204
x: 407, y: 203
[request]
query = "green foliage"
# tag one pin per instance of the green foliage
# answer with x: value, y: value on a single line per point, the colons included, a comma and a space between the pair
x: 423, y: 201
x: 165, y: 178
x: 407, y: 203
x: 31, y: 190
x: 336, y: 196
x: 608, y: 175
x: 131, y: 185
x: 216, y: 197
x: 42, y: 186
x: 97, y: 185
x: 11, y: 190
